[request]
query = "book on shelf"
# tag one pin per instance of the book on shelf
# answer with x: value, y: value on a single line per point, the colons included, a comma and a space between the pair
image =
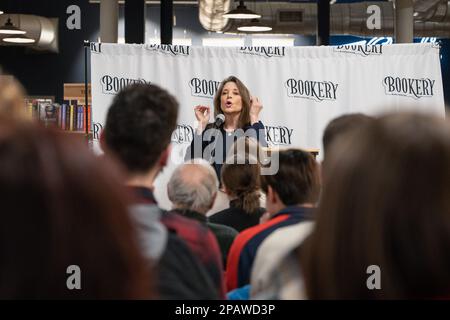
x: 49, y: 114
x: 35, y: 105
x: 63, y: 111
x: 75, y: 93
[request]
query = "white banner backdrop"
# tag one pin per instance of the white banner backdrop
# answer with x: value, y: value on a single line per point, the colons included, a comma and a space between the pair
x: 301, y: 88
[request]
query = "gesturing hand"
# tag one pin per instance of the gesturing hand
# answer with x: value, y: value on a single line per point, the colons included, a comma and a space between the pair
x: 202, y: 113
x: 255, y: 109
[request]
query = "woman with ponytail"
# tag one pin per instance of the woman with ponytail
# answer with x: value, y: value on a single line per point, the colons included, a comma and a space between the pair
x: 241, y: 183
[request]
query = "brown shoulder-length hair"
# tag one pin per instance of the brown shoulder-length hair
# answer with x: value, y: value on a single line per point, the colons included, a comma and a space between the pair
x: 242, y: 180
x: 62, y: 207
x: 244, y: 117
x: 385, y: 203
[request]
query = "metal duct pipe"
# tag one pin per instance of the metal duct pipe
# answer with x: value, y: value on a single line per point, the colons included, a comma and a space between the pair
x: 433, y: 29
x: 430, y: 10
x: 210, y: 14
x: 43, y: 30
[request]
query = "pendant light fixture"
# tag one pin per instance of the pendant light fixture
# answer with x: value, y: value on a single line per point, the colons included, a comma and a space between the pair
x: 254, y: 26
x: 19, y: 35
x: 9, y: 28
x: 241, y: 12
x: 20, y: 39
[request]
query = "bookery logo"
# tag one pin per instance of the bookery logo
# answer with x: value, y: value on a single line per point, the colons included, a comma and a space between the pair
x: 183, y: 134
x: 409, y: 87
x: 267, y: 52
x: 170, y: 49
x: 203, y: 88
x: 96, y: 47
x: 361, y: 49
x: 279, y: 135
x: 98, y: 127
x: 315, y: 90
x: 112, y: 85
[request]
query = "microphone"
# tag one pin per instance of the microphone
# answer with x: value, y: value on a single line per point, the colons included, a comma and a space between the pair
x: 220, y: 119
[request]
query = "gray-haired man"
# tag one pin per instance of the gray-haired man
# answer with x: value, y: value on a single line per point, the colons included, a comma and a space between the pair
x: 192, y: 189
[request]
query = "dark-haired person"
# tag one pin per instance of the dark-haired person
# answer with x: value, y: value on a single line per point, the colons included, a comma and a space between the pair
x: 241, y: 183
x: 276, y: 272
x: 138, y: 128
x: 341, y: 125
x: 65, y: 223
x: 241, y: 118
x: 291, y: 194
x: 383, y: 224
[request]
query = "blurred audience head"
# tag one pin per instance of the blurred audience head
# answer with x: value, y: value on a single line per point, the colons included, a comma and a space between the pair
x: 193, y: 186
x: 337, y: 127
x: 61, y: 208
x: 139, y: 125
x: 385, y: 202
x: 12, y: 95
x: 241, y: 182
x: 297, y: 181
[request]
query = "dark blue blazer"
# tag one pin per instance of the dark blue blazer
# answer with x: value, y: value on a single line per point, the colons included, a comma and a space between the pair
x: 218, y: 142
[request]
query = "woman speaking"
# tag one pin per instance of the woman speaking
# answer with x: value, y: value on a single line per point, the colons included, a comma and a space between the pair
x: 236, y: 114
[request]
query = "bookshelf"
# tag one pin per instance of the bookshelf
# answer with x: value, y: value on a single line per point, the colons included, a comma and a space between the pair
x: 69, y: 115
x: 74, y: 99
x: 76, y: 91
